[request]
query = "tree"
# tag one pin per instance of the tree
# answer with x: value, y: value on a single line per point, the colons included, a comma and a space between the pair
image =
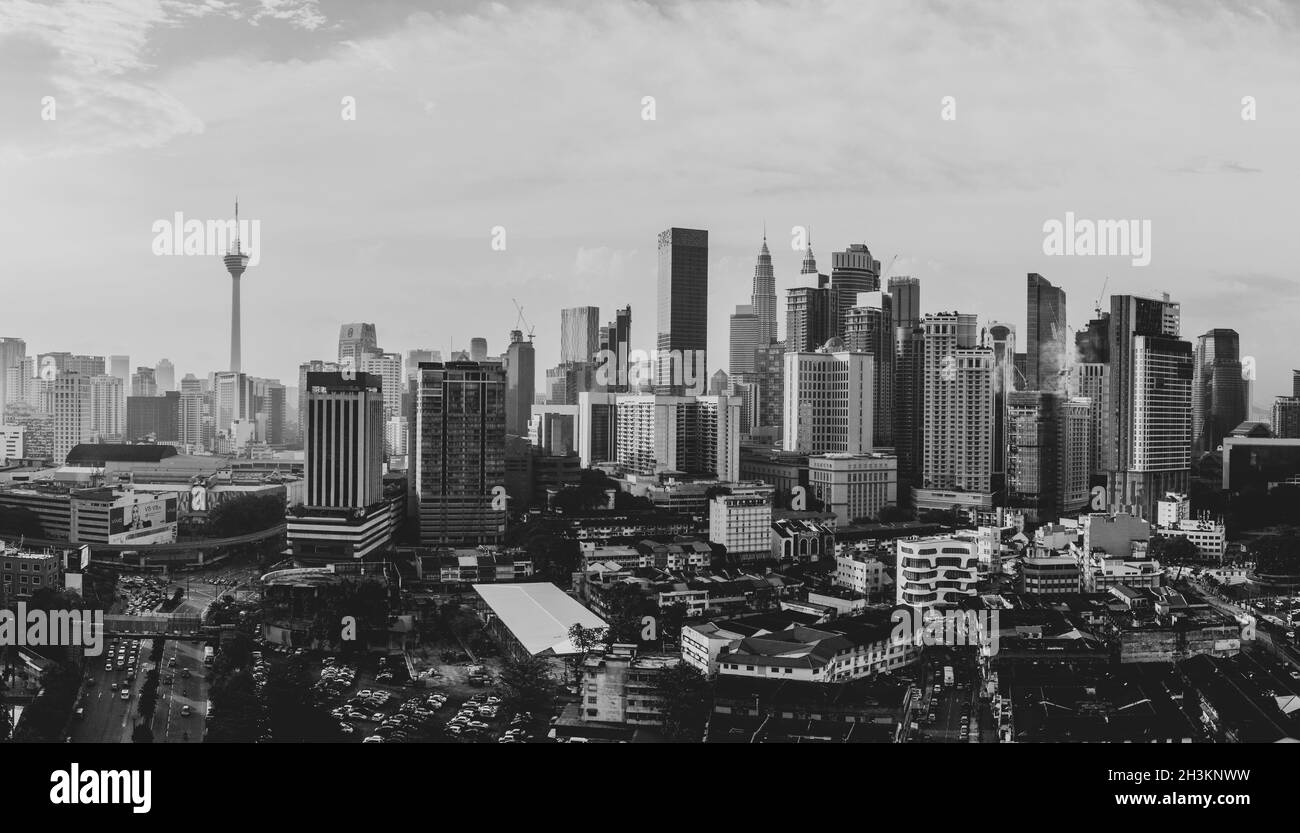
x: 892, y: 514
x: 626, y: 607
x: 142, y: 733
x: 683, y: 692
x: 584, y: 639
x: 1175, y: 549
x: 527, y: 685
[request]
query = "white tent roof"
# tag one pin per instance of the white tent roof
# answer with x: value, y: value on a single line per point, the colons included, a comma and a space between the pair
x: 538, y: 614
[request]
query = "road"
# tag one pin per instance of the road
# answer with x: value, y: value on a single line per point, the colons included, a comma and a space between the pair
x: 110, y: 719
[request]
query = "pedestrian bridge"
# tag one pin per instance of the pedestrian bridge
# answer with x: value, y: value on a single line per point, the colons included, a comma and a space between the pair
x: 175, y: 625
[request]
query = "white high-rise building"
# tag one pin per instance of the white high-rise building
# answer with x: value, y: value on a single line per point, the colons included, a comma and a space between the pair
x: 936, y: 571
x: 68, y: 402
x: 107, y: 416
x: 957, y: 414
x: 388, y: 367
x: 579, y: 333
x: 742, y: 522
x: 165, y: 376
x: 689, y: 434
x: 828, y: 402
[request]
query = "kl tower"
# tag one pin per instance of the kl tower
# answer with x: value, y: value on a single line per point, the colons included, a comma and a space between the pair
x: 236, y: 262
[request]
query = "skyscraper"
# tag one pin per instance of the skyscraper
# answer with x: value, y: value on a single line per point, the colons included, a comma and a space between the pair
x: 355, y: 341
x: 869, y: 328
x: 313, y: 366
x: 957, y: 416
x: 388, y: 367
x: 189, y: 428
x: 683, y: 315
x: 1150, y: 436
x: 345, y: 440
x: 165, y: 375
x: 144, y: 382
x: 1218, y: 389
x: 812, y: 316
x: 615, y: 347
x: 697, y: 435
x: 1286, y: 417
x: 107, y: 415
x: 854, y: 271
x: 12, y: 352
x: 909, y: 371
x: 1045, y: 350
x: 744, y: 339
x: 579, y: 333
x: 478, y: 349
x: 828, y: 407
x: 236, y: 263
x: 1002, y: 338
x: 457, y: 449
x: 153, y: 418
x: 521, y: 381
x: 1048, y: 439
x: 68, y: 402
x: 763, y: 296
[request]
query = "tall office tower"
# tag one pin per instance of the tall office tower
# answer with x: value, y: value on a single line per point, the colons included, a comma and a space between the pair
x: 521, y: 382
x: 345, y: 440
x: 268, y: 408
x: 744, y: 339
x: 1149, y: 437
x: 85, y: 365
x: 415, y: 357
x: 21, y: 382
x: 615, y: 347
x: 683, y: 316
x: 869, y: 328
x: 1048, y: 451
x: 769, y: 375
x: 457, y: 453
x: 355, y: 341
x: 909, y: 411
x: 579, y: 333
x: 812, y: 316
x: 565, y: 381
x: 809, y: 265
x: 120, y: 366
x: 1286, y: 417
x: 828, y: 406
x: 143, y: 382
x: 12, y: 352
x: 854, y: 271
x: 165, y: 375
x: 1092, y: 380
x: 313, y: 366
x: 236, y: 262
x: 1021, y: 362
x: 1092, y: 343
x: 232, y: 399
x: 67, y: 400
x: 155, y: 418
x: 189, y: 429
x: 478, y: 349
x: 1295, y: 383
x: 763, y: 295
x: 388, y: 367
x: 957, y: 414
x: 1002, y: 339
x: 694, y: 435
x: 905, y: 293
x: 1045, y: 350
x: 107, y: 416
x: 1218, y: 389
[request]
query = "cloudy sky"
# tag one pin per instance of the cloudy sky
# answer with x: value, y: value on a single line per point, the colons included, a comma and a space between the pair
x: 528, y: 116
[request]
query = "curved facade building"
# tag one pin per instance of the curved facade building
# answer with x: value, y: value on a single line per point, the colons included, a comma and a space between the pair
x: 936, y: 572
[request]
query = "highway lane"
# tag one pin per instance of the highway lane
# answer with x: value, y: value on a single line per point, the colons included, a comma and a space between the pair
x: 170, y: 724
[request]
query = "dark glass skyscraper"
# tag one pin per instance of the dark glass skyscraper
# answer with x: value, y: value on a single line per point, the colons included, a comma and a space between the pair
x: 457, y: 452
x: 1046, y: 345
x: 1218, y: 389
x: 683, y: 306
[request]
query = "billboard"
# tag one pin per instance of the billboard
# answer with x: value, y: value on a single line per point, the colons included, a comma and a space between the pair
x: 142, y: 520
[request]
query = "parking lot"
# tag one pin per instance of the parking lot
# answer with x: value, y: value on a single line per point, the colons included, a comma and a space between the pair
x: 372, y: 705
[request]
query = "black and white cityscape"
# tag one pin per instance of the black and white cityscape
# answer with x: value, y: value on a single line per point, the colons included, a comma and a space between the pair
x: 471, y: 374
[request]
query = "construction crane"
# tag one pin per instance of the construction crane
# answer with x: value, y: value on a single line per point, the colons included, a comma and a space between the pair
x: 1097, y: 306
x: 885, y: 274
x: 522, y: 322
